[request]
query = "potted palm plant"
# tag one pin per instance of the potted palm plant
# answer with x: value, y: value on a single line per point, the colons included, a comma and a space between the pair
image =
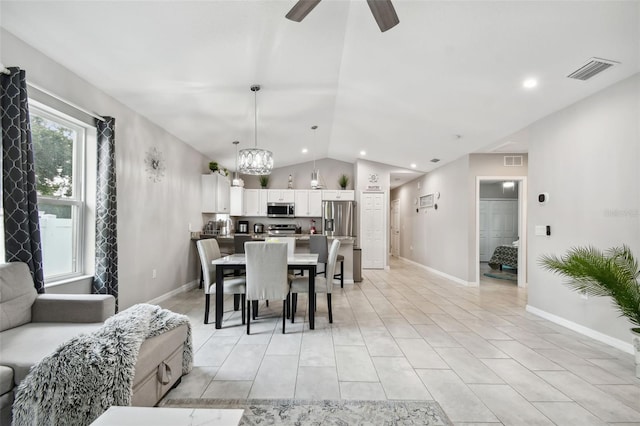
x: 343, y: 181
x: 264, y: 181
x: 613, y: 273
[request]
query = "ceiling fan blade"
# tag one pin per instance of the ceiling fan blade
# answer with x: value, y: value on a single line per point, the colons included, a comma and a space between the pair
x: 384, y: 13
x: 301, y: 9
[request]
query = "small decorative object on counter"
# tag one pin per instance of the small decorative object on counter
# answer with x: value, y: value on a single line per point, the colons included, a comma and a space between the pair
x: 290, y: 185
x: 312, y: 227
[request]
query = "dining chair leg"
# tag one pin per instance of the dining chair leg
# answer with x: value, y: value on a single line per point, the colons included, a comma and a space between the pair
x: 294, y: 302
x: 288, y: 305
x: 285, y: 302
x: 236, y: 302
x: 249, y: 317
x: 254, y: 309
x: 267, y: 303
x: 207, y: 302
x: 243, y: 302
x: 329, y: 305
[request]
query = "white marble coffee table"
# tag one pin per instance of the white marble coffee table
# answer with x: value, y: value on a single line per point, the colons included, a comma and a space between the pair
x: 153, y: 416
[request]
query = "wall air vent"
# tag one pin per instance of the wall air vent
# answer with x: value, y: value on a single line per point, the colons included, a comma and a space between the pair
x: 513, y: 160
x: 593, y: 67
x: 435, y: 160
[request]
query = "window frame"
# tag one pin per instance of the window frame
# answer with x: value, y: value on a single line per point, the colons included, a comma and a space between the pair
x: 78, y: 201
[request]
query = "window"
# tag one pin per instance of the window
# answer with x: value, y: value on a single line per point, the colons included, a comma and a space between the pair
x: 59, y: 156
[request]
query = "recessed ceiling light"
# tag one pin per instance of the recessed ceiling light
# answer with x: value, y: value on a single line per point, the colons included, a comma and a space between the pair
x: 530, y: 83
x: 363, y: 152
x: 414, y: 165
x: 305, y: 150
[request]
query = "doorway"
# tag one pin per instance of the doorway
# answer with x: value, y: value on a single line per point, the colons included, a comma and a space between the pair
x: 395, y: 228
x: 501, y: 219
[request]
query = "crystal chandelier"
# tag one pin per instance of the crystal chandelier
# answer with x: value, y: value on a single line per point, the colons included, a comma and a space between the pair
x: 256, y: 161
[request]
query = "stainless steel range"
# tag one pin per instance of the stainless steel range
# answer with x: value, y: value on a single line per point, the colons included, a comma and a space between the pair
x: 281, y: 229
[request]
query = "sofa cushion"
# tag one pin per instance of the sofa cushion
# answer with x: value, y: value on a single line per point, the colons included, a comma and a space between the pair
x: 17, y: 294
x: 6, y: 379
x: 25, y: 346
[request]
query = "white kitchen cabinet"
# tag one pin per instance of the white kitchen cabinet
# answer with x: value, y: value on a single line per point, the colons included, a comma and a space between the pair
x: 281, y: 196
x: 255, y: 202
x: 346, y: 195
x: 215, y: 190
x: 236, y: 207
x: 308, y: 203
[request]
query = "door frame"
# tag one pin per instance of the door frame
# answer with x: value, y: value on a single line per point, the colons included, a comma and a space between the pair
x: 522, y: 225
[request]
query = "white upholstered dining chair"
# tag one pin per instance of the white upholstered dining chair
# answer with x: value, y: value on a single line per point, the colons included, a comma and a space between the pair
x: 208, y: 251
x: 322, y: 284
x: 267, y: 277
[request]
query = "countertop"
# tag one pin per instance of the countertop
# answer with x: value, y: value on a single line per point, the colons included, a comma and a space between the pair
x: 298, y: 237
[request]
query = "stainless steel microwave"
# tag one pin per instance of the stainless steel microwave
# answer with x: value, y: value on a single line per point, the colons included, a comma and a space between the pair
x: 280, y: 210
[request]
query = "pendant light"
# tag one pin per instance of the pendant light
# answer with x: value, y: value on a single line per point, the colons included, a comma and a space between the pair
x: 315, y: 174
x: 236, y: 181
x: 256, y: 161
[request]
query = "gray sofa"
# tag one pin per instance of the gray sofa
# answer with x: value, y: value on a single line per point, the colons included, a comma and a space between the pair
x: 33, y: 325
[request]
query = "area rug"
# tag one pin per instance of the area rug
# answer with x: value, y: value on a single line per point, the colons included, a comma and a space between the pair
x: 502, y: 275
x: 326, y: 412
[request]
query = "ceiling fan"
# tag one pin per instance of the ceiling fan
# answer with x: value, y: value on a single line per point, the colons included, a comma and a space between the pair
x: 383, y: 12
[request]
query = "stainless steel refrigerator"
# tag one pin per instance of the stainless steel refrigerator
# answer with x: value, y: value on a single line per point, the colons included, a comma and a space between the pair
x: 338, y: 218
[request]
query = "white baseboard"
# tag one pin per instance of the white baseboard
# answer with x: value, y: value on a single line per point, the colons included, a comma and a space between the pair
x: 611, y: 341
x: 442, y: 274
x: 182, y: 289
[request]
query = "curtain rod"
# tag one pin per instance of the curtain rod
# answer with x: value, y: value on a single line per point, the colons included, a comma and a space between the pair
x: 71, y: 104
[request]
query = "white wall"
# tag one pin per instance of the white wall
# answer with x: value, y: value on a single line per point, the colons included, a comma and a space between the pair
x: 586, y: 157
x: 153, y: 218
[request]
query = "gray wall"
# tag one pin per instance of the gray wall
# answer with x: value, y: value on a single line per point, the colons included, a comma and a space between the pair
x: 330, y: 171
x: 496, y: 191
x: 153, y: 218
x: 586, y: 157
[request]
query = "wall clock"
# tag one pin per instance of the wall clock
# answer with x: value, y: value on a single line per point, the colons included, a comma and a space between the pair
x: 373, y: 177
x: 155, y: 164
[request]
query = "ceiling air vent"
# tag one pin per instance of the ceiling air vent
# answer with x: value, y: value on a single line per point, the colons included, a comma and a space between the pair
x: 513, y: 160
x: 591, y: 68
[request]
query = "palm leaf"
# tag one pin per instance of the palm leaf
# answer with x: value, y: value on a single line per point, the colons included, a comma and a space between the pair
x: 614, y: 274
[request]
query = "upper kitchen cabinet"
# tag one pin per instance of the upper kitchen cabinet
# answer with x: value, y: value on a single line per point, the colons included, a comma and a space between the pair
x: 346, y: 195
x: 215, y: 193
x: 308, y: 203
x: 280, y: 196
x: 255, y: 202
x: 237, y: 201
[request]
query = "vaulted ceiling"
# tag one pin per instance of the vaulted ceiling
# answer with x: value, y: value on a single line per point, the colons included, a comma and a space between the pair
x: 444, y: 82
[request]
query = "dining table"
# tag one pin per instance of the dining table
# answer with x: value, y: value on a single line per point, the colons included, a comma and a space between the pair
x: 238, y: 262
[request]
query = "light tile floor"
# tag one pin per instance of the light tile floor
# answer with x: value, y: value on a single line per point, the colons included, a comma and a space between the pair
x: 409, y: 334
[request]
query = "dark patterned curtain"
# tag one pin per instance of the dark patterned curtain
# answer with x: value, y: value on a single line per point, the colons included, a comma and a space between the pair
x: 19, y: 197
x: 106, y: 277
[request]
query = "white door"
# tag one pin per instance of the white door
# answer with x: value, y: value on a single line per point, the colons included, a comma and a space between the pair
x: 395, y: 228
x: 373, y: 231
x: 498, y: 225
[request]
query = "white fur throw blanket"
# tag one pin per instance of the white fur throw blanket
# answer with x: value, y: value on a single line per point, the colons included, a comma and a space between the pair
x: 91, y: 372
